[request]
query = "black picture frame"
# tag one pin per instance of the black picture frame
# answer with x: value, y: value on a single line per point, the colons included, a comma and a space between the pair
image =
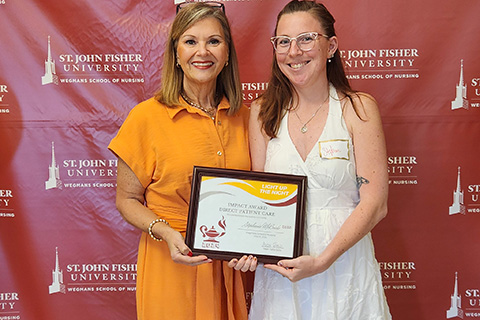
x: 292, y: 209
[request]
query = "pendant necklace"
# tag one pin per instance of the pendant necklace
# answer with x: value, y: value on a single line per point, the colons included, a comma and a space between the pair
x: 304, y: 128
x: 210, y: 113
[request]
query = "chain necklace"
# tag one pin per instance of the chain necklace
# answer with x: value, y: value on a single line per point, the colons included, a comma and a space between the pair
x: 304, y: 128
x: 211, y: 113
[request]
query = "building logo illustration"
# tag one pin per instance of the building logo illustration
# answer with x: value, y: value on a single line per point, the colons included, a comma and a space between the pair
x: 458, y: 205
x: 57, y: 277
x: 53, y: 173
x: 455, y: 310
x: 460, y: 101
x: 50, y: 73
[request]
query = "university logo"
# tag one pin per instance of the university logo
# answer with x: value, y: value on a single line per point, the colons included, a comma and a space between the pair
x: 3, y: 91
x: 81, y: 173
x: 8, y: 301
x: 398, y: 275
x: 5, y: 206
x: 50, y: 72
x: 96, y: 277
x: 455, y: 310
x: 93, y: 68
x: 460, y: 101
x: 252, y: 90
x: 381, y: 64
x: 3, y: 105
x: 459, y: 198
x: 458, y: 205
x: 57, y: 278
x: 53, y: 173
x: 401, y: 169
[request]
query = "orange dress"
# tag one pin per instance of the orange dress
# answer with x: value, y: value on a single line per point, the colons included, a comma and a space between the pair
x: 161, y: 145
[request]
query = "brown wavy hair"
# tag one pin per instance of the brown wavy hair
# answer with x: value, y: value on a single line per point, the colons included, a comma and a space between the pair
x: 275, y: 101
x: 228, y: 81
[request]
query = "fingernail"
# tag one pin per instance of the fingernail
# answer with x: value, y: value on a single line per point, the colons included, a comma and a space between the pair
x: 190, y: 253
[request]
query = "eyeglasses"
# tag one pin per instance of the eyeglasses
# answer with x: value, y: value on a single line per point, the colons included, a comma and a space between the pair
x: 305, y: 41
x: 213, y: 4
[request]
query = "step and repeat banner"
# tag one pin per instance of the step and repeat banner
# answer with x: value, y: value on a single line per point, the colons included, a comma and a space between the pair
x: 70, y: 71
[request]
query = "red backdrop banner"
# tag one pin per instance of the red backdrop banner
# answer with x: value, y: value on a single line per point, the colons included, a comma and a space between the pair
x: 70, y: 71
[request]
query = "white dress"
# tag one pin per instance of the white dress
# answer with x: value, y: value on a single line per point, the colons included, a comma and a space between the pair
x: 351, y: 289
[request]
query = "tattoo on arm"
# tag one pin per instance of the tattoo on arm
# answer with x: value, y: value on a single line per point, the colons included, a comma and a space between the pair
x: 361, y: 180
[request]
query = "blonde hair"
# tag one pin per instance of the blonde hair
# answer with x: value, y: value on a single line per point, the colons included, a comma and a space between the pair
x: 228, y: 81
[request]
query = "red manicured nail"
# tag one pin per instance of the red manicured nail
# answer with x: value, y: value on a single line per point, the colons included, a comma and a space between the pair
x: 190, y: 254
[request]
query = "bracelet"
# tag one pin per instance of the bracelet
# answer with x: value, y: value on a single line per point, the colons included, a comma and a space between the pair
x: 150, y: 227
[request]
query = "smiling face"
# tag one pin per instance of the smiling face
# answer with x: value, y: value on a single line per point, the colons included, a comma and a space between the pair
x: 202, y: 53
x: 304, y: 68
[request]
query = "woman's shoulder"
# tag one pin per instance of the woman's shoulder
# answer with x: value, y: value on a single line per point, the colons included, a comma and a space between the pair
x: 244, y: 108
x: 244, y: 113
x: 146, y: 108
x: 150, y: 103
x: 358, y: 103
x: 145, y: 114
x: 256, y: 105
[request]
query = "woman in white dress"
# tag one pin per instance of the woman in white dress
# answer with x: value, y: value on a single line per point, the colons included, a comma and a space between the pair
x: 310, y: 122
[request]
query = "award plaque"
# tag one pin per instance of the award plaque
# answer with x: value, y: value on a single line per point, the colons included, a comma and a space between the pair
x: 235, y: 212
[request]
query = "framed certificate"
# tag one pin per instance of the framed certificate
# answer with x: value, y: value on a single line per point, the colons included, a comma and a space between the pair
x: 237, y: 212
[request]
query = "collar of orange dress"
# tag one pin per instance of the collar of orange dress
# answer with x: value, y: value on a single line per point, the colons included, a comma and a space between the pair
x: 211, y: 112
x: 172, y: 112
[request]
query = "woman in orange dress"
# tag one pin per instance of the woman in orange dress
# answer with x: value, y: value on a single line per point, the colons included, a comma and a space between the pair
x: 196, y: 118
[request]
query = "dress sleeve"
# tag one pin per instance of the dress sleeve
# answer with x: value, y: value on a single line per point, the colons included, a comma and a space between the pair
x: 133, y: 143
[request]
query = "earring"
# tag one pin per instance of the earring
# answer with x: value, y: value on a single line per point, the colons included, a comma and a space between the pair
x: 330, y: 58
